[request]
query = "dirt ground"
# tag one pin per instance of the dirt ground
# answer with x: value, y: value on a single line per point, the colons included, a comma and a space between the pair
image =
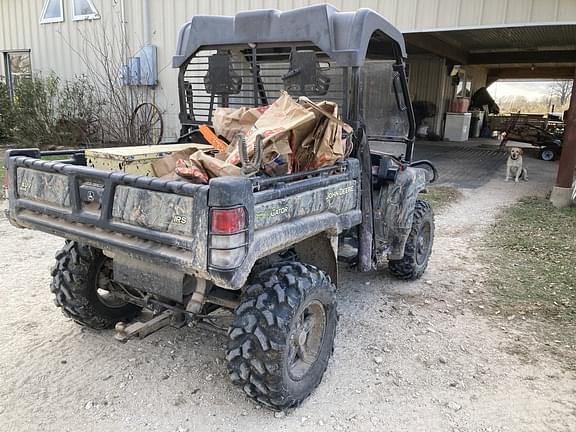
x: 415, y: 356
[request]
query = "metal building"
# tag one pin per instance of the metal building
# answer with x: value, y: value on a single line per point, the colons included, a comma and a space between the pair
x: 488, y: 39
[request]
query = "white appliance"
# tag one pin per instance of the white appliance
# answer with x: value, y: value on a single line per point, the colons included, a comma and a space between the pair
x: 457, y: 126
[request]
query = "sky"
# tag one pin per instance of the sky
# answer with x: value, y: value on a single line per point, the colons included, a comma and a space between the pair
x: 529, y: 89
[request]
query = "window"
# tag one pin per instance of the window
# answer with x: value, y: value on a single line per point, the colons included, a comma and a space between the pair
x: 83, y: 10
x: 52, y: 12
x: 384, y: 110
x: 17, y: 67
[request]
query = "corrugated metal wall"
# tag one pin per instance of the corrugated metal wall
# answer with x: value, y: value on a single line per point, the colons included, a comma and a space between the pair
x: 429, y: 81
x: 56, y: 46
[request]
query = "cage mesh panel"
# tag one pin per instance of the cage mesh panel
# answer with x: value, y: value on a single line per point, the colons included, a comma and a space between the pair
x: 272, y: 63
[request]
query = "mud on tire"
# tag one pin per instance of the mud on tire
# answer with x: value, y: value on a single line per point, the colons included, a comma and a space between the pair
x: 75, y: 283
x: 418, y: 246
x: 283, y: 334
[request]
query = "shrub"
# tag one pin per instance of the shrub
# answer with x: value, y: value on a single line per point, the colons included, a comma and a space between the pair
x: 6, y: 114
x: 48, y: 112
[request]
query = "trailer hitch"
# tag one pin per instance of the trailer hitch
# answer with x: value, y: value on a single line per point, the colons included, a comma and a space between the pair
x: 125, y: 331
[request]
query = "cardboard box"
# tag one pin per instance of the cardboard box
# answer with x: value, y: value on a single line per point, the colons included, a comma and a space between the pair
x: 135, y: 159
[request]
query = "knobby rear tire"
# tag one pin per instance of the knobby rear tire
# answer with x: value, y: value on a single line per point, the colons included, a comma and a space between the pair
x: 75, y: 285
x: 263, y: 331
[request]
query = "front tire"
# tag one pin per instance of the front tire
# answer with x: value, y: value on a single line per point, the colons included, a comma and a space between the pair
x: 283, y: 334
x: 80, y: 284
x: 418, y: 246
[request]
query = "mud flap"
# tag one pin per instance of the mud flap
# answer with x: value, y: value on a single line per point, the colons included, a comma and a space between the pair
x: 321, y: 251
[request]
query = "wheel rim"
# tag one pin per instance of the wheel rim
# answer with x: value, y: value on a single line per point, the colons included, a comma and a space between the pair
x: 146, y: 125
x: 547, y: 155
x: 104, y: 284
x: 423, y: 244
x: 306, y: 340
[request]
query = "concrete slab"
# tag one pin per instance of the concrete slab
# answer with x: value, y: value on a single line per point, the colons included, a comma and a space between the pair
x: 466, y: 165
x: 462, y: 166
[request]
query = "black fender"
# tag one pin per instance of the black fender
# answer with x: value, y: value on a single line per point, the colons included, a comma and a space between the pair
x: 394, y: 210
x: 321, y: 251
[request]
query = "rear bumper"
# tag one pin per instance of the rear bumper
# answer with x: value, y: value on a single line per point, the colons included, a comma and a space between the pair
x: 112, y: 242
x: 265, y: 242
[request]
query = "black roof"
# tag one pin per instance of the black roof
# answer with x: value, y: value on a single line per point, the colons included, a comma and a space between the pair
x: 344, y: 36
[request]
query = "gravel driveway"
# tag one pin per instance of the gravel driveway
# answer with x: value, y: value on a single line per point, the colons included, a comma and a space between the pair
x: 409, y: 356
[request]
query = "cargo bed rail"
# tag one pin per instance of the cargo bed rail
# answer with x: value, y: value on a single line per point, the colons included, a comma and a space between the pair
x: 87, y: 194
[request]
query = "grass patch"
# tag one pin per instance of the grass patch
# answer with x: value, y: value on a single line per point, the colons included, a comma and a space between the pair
x: 532, y: 255
x: 536, y: 268
x: 441, y: 196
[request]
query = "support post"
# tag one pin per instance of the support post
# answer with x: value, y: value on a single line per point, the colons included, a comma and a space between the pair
x: 562, y: 192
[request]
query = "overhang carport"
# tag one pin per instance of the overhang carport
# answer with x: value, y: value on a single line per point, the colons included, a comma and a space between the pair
x: 529, y: 52
x: 543, y: 51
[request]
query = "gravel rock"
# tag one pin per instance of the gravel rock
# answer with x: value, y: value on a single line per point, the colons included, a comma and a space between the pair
x: 454, y: 406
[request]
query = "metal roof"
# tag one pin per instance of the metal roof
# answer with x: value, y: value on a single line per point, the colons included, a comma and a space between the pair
x: 523, y: 38
x: 344, y: 36
x: 514, y: 44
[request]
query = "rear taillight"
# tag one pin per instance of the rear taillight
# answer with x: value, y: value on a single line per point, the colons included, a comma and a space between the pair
x: 228, y: 237
x: 228, y: 221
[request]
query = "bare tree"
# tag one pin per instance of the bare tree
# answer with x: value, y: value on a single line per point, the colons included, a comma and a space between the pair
x: 103, y: 53
x: 562, y: 90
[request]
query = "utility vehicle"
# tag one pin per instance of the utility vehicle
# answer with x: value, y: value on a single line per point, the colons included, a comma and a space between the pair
x: 266, y: 248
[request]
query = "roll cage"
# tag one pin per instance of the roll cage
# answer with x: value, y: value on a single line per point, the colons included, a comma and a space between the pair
x: 316, y: 51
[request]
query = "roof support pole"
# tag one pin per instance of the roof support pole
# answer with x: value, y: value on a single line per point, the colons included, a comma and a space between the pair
x: 362, y: 147
x: 562, y: 191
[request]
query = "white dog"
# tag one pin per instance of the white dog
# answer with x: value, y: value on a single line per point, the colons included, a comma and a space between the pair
x: 515, y: 166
